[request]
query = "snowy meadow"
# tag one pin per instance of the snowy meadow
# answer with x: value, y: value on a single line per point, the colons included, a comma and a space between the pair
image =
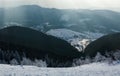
x: 93, y: 69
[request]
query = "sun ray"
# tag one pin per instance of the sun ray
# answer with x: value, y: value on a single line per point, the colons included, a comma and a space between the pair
x: 10, y: 17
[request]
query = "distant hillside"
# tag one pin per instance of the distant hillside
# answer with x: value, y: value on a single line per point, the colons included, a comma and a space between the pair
x: 44, y: 19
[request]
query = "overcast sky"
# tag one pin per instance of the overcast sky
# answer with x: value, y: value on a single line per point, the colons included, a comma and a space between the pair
x: 65, y: 4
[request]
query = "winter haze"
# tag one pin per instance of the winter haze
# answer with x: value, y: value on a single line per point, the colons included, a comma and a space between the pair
x: 65, y: 4
x: 59, y: 37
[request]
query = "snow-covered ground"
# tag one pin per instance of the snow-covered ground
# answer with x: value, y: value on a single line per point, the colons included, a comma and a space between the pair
x: 93, y: 69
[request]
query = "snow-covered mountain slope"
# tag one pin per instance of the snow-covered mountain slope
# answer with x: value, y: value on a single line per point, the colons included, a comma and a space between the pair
x: 65, y: 34
x: 77, y: 39
x: 93, y: 69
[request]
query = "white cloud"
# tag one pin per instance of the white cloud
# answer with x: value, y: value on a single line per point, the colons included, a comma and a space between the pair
x: 84, y: 4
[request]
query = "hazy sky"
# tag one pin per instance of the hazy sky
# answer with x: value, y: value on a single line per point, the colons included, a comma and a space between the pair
x: 82, y: 4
